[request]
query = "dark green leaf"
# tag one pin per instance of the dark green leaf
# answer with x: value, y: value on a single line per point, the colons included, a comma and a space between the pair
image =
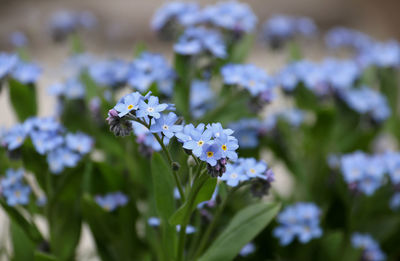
x: 23, y: 247
x: 40, y: 256
x: 245, y: 225
x: 23, y: 99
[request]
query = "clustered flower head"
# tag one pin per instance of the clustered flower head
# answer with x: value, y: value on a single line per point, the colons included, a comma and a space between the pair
x: 371, y: 249
x: 13, y: 188
x: 112, y: 201
x: 249, y: 130
x: 70, y: 89
x: 300, y: 220
x: 210, y: 143
x: 200, y: 40
x: 366, y: 173
x: 230, y: 15
x: 367, y: 101
x: 12, y: 66
x: 50, y: 138
x: 280, y: 28
x: 62, y: 23
x: 113, y: 73
x: 245, y: 169
x: 255, y: 80
x: 369, y: 52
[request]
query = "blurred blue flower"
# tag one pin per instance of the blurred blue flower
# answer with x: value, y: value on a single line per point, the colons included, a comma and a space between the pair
x: 166, y: 125
x: 248, y: 249
x: 111, y: 201
x: 300, y: 220
x: 112, y: 73
x: 12, y: 178
x: 189, y: 229
x: 14, y: 137
x: 345, y: 37
x: 8, y: 61
x: 230, y: 15
x: 197, y: 40
x: 201, y: 95
x: 154, y: 222
x: 183, y: 13
x: 18, y: 39
x: 79, y: 142
x: 13, y: 188
x: 45, y: 141
x: 248, y: 76
x: 395, y: 201
x: 71, y: 89
x: 150, y: 68
x: 371, y: 249
x: 60, y: 158
x: 26, y: 73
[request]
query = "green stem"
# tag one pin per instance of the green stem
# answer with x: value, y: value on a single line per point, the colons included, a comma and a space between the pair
x: 191, y: 200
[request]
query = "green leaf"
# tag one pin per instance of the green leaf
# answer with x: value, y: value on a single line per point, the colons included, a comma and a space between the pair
x: 241, y: 48
x: 30, y: 229
x: 23, y: 247
x: 182, y: 85
x: 40, y: 256
x: 204, y: 194
x: 245, y: 225
x: 23, y: 99
x: 163, y: 186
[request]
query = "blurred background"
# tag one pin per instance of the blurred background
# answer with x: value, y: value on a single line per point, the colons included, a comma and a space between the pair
x: 122, y: 24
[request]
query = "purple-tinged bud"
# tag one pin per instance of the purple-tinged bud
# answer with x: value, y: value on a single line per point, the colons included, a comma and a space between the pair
x: 218, y: 169
x: 119, y: 126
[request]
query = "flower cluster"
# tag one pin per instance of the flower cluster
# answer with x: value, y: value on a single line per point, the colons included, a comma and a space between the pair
x: 155, y: 222
x: 255, y: 80
x: 112, y: 201
x: 200, y: 40
x: 12, y: 66
x: 63, y: 23
x: 150, y: 68
x: 245, y: 169
x: 248, y: 131
x: 201, y: 97
x: 368, y: 51
x: 70, y: 89
x: 300, y: 220
x: 13, y: 188
x: 366, y: 172
x: 280, y: 28
x: 371, y: 249
x: 113, y: 73
x: 49, y: 138
x: 367, y: 101
x: 231, y: 16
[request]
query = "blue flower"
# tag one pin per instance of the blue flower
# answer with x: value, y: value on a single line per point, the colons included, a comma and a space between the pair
x: 300, y: 220
x: 128, y: 103
x: 151, y: 68
x: 367, y: 101
x: 26, y: 73
x: 79, y: 142
x: 71, y: 89
x: 233, y: 16
x: 166, y: 125
x: 45, y: 141
x: 248, y: 76
x: 13, y: 177
x: 248, y: 249
x: 228, y: 146
x: 17, y: 195
x: 110, y: 73
x: 211, y: 153
x: 154, y: 222
x: 60, y: 158
x: 233, y: 175
x: 151, y: 109
x: 18, y: 39
x: 395, y: 201
x: 345, y: 37
x: 341, y: 74
x: 111, y: 201
x: 199, y: 40
x: 392, y: 162
x: 7, y: 63
x: 15, y: 137
x: 196, y: 139
x: 189, y: 229
x: 254, y: 168
x: 200, y: 95
x: 186, y: 14
x: 371, y: 249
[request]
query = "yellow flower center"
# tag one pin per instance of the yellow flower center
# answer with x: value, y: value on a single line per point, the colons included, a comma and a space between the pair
x: 224, y: 147
x: 150, y: 109
x: 234, y: 176
x: 252, y: 83
x: 200, y: 143
x: 210, y: 154
x: 17, y: 193
x: 165, y: 127
x: 253, y: 171
x: 130, y: 107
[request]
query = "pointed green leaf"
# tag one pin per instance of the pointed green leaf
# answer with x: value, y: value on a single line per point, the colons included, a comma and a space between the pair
x: 245, y: 225
x: 23, y: 247
x: 40, y: 256
x: 23, y: 99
